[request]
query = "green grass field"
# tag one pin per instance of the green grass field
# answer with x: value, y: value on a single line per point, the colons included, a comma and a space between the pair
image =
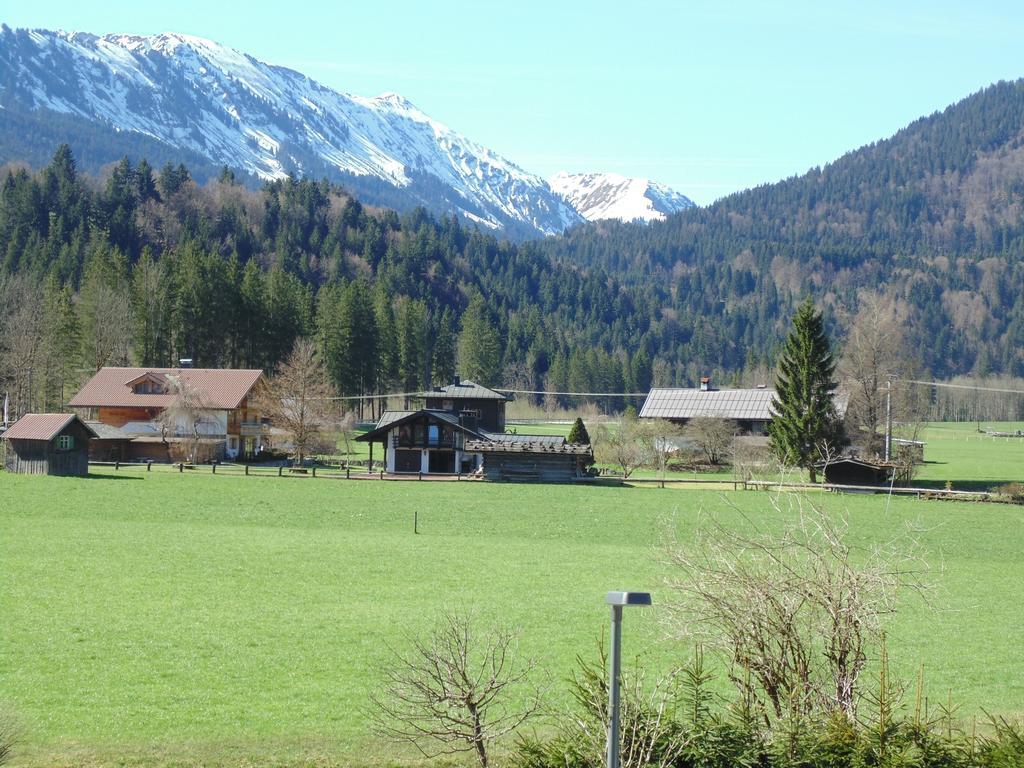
x: 971, y: 460
x: 183, y: 619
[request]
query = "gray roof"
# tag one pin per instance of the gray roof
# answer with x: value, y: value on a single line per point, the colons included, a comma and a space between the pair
x: 507, y: 437
x: 524, y: 446
x: 465, y: 390
x: 739, y: 404
x: 107, y: 431
x: 392, y: 419
x: 391, y: 416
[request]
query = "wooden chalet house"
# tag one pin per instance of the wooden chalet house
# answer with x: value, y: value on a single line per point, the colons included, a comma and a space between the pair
x: 132, y: 399
x: 48, y: 444
x: 461, y: 430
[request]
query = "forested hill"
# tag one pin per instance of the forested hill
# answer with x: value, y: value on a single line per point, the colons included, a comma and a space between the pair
x: 933, y: 216
x: 146, y: 267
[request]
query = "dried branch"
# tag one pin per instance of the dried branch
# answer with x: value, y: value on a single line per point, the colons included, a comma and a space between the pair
x: 795, y: 611
x: 452, y: 691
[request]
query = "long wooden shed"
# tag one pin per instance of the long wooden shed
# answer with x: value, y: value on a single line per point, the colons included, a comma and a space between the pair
x: 48, y: 444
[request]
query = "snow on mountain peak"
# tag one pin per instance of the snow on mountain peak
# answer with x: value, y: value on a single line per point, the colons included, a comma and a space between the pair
x: 197, y: 95
x: 597, y: 196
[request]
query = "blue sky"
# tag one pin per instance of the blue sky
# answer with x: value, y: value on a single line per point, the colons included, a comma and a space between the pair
x: 708, y: 98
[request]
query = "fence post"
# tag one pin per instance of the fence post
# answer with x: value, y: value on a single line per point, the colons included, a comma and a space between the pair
x: 149, y: 465
x: 348, y: 473
x: 280, y: 471
x: 213, y: 468
x: 117, y: 465
x: 181, y: 467
x: 246, y: 470
x: 314, y: 471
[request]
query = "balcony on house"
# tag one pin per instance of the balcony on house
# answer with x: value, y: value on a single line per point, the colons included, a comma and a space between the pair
x: 426, y: 436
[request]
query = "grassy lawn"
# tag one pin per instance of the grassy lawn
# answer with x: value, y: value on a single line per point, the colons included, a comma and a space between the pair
x: 176, y: 619
x: 957, y: 452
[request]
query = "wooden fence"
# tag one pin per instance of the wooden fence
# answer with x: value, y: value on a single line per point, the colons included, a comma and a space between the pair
x: 359, y: 471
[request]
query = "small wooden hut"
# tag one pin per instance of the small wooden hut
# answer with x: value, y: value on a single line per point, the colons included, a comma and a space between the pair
x: 48, y: 444
x: 536, y: 458
x: 854, y: 470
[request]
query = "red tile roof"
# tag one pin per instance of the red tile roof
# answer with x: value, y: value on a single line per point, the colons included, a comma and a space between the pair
x: 222, y: 388
x: 41, y: 426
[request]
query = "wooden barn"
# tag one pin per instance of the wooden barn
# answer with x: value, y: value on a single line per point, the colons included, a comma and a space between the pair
x: 532, y: 458
x: 48, y: 444
x: 854, y: 470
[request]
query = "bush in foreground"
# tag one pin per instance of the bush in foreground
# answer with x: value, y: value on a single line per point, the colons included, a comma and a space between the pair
x: 679, y: 723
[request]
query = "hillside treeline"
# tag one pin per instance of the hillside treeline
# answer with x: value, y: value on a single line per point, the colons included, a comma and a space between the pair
x: 933, y: 217
x: 146, y: 268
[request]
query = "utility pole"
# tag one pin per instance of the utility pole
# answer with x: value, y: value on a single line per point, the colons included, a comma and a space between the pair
x: 888, y: 418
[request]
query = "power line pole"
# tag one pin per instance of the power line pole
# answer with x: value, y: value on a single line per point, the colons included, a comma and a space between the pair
x: 888, y: 418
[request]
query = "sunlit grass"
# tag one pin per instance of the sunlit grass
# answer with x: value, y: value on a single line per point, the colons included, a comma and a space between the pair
x: 158, y: 614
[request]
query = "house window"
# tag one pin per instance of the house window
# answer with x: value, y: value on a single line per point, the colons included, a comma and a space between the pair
x: 65, y: 442
x: 432, y: 434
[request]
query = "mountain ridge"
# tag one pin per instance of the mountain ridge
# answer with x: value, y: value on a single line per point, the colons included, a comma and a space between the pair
x: 601, y: 196
x: 266, y: 121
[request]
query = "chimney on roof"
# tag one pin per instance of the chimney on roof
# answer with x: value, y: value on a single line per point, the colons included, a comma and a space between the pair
x: 185, y: 362
x: 456, y: 381
x: 762, y: 386
x: 705, y: 383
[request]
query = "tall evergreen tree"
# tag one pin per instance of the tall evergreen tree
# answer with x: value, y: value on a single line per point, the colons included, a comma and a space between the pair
x: 442, y: 361
x: 61, y: 345
x: 479, y: 345
x: 805, y: 414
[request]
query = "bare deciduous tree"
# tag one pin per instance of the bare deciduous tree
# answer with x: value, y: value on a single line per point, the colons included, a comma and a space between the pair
x: 347, y: 428
x: 875, y: 348
x: 297, y: 399
x: 455, y: 691
x: 714, y: 436
x: 629, y: 445
x: 9, y: 733
x: 796, y: 611
x: 185, y: 414
x: 106, y: 326
x: 22, y: 345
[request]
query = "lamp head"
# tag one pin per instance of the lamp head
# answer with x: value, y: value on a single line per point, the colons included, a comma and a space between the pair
x: 628, y: 598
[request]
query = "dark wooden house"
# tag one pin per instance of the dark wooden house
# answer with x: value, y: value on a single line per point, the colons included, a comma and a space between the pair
x: 476, y: 406
x: 424, y: 441
x: 48, y: 444
x: 462, y: 431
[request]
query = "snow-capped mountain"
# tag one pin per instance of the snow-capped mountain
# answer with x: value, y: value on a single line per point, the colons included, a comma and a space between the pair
x: 218, y: 103
x: 598, y: 196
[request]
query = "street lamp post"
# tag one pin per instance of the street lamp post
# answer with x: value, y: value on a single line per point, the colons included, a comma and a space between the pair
x: 617, y: 600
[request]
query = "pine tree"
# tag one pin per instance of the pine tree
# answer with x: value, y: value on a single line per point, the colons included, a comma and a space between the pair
x: 479, y: 345
x: 805, y: 415
x: 578, y: 435
x: 442, y: 362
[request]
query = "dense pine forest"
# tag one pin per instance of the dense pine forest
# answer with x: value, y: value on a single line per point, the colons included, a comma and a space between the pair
x: 933, y: 217
x: 146, y: 266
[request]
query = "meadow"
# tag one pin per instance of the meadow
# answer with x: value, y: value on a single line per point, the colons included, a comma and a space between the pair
x: 157, y: 618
